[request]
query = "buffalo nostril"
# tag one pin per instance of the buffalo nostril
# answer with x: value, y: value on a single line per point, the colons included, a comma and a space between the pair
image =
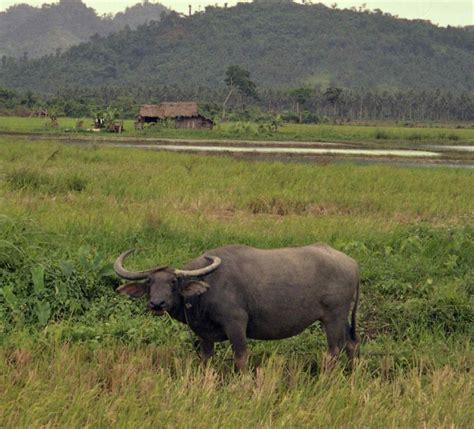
x: 154, y: 306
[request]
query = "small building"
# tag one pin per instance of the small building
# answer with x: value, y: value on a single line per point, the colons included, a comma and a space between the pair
x: 185, y: 115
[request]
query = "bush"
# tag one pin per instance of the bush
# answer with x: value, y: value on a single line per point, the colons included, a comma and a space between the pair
x: 381, y: 135
x: 415, y: 136
x: 35, y: 180
x: 38, y: 291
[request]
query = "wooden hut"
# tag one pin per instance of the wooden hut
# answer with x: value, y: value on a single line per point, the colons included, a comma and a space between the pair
x: 185, y: 115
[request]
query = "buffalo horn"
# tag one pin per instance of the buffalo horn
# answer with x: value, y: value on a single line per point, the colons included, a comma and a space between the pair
x: 216, y: 261
x: 128, y: 275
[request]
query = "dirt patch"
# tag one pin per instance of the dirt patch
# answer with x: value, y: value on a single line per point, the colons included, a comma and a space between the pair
x: 276, y: 206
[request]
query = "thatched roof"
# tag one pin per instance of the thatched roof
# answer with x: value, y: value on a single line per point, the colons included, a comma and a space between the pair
x: 169, y: 110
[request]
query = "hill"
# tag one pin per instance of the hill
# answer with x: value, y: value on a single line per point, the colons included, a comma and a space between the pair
x: 283, y: 45
x: 33, y: 32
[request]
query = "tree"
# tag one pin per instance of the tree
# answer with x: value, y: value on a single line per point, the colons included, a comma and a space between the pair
x: 110, y: 116
x: 301, y: 96
x: 333, y: 95
x: 29, y: 99
x: 53, y: 112
x: 238, y: 79
x: 106, y: 118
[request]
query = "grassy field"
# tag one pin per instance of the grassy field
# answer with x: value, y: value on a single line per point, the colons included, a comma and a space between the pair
x: 74, y: 354
x: 381, y: 134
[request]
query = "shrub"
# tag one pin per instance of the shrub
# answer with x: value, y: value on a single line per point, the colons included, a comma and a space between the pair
x: 25, y: 178
x: 381, y: 135
x: 415, y: 136
x: 35, y: 180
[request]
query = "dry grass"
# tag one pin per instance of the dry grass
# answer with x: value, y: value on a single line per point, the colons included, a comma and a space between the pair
x: 79, y: 386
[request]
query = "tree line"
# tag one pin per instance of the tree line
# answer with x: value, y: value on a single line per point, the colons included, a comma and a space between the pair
x: 304, y: 105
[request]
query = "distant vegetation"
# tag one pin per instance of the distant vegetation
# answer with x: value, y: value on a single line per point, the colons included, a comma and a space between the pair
x: 32, y: 32
x: 282, y: 45
x: 303, y: 105
x: 305, y: 63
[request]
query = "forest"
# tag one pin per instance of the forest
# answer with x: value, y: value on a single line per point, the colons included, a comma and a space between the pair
x: 282, y: 45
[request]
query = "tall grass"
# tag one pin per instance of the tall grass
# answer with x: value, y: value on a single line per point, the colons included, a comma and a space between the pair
x: 82, y: 386
x: 73, y: 353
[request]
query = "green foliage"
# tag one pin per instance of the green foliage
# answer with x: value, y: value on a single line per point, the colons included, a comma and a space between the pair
x: 107, y: 118
x: 382, y: 135
x: 239, y: 78
x: 349, y: 105
x: 282, y: 45
x: 301, y: 95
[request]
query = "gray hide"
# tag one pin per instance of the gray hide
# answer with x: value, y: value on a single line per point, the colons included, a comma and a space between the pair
x: 260, y: 294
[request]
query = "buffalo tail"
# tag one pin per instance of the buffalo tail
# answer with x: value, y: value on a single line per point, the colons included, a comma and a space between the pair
x: 354, y: 313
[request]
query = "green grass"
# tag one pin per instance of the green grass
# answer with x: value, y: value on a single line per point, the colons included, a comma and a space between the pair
x: 73, y: 353
x: 380, y: 134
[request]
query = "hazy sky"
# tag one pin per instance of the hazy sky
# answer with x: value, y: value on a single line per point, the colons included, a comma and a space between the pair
x: 455, y: 12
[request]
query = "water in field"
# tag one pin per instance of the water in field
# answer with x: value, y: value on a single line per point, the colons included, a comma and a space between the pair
x: 463, y: 148
x: 288, y: 150
x: 458, y: 156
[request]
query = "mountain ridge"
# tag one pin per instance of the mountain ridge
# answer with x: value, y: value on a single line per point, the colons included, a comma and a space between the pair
x: 38, y: 31
x: 282, y: 45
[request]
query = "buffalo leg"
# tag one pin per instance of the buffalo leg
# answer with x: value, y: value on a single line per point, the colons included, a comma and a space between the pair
x: 336, y: 333
x: 207, y: 349
x: 352, y: 346
x: 238, y: 340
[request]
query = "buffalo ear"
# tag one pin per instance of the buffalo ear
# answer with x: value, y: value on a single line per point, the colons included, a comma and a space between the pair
x: 134, y: 290
x: 194, y: 288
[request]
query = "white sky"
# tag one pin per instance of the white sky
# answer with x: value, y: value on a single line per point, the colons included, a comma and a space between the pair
x: 454, y: 12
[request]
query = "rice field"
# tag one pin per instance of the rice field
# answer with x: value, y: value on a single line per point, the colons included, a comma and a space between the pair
x: 75, y: 354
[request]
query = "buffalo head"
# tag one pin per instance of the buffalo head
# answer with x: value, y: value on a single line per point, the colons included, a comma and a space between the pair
x: 164, y: 286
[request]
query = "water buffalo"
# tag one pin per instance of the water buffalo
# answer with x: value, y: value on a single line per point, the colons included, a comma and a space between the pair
x: 239, y: 292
